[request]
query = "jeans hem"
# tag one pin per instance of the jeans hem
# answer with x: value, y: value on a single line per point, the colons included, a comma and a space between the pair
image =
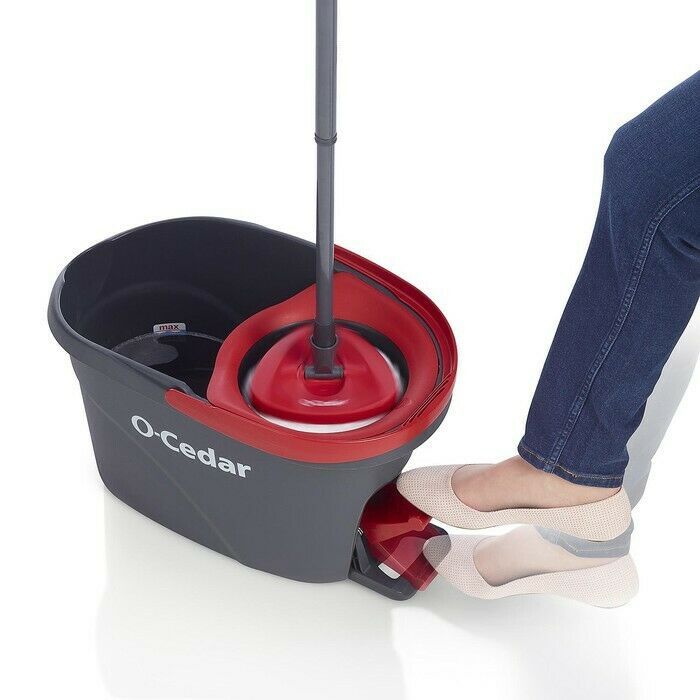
x: 539, y: 462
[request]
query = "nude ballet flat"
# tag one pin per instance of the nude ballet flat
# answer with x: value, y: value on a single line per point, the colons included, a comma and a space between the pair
x: 606, y: 586
x: 430, y: 489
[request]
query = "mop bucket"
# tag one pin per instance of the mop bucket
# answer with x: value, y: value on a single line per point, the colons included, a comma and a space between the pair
x: 162, y: 323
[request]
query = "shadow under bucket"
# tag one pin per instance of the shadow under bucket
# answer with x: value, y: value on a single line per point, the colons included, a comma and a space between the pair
x: 161, y: 324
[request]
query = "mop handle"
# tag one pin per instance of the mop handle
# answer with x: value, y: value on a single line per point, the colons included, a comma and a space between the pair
x: 324, y: 338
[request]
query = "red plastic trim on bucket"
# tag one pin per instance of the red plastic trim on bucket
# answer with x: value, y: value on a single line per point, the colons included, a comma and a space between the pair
x: 423, y: 402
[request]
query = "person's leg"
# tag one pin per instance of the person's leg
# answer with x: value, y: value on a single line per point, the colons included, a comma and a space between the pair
x: 635, y: 294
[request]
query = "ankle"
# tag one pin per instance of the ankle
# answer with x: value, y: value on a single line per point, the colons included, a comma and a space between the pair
x: 514, y: 483
x: 554, y: 490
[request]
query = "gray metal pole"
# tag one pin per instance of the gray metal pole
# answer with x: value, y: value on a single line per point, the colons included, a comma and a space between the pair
x: 324, y: 338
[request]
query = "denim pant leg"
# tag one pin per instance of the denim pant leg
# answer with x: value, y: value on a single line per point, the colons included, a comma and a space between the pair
x: 634, y: 296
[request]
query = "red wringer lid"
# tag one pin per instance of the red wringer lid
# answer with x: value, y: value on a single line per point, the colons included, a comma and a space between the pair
x: 367, y: 386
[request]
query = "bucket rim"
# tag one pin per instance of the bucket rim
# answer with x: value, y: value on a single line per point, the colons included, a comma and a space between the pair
x: 282, y: 442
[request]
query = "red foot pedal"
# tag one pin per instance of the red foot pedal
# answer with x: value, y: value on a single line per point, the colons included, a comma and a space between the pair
x: 395, y: 531
x: 388, y: 514
x: 404, y: 554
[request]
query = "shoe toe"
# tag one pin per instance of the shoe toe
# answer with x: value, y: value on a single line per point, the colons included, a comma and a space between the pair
x: 425, y: 486
x: 436, y: 549
x: 453, y: 558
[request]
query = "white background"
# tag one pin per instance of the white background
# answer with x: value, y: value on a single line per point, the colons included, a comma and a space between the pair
x: 470, y: 161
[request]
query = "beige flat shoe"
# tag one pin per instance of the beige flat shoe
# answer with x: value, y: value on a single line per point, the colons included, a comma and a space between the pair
x: 430, y: 489
x: 606, y: 586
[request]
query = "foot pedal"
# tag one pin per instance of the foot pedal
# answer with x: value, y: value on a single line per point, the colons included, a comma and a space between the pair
x: 393, y: 532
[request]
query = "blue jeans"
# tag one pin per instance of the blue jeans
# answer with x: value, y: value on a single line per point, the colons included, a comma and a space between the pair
x: 636, y: 292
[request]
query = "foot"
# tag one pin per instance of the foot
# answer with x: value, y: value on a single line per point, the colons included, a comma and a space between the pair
x: 523, y: 552
x: 517, y: 484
